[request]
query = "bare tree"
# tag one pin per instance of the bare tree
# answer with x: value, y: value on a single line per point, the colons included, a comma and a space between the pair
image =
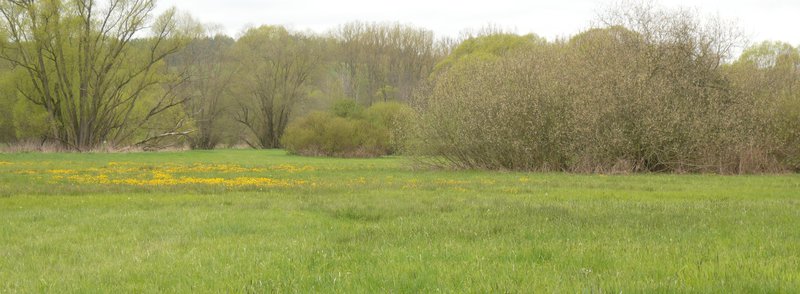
x: 278, y: 66
x: 382, y: 62
x: 209, y: 67
x: 91, y: 65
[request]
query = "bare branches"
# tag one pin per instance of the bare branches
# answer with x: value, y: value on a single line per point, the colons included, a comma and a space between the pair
x: 90, y: 75
x: 280, y: 63
x: 384, y: 61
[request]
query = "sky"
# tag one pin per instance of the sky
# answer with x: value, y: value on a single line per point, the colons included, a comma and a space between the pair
x: 760, y: 20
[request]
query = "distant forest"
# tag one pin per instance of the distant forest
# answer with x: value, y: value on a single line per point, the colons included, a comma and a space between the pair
x: 647, y: 89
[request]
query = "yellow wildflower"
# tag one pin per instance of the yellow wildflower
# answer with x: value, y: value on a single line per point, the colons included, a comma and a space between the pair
x: 62, y: 171
x: 292, y: 169
x: 451, y: 182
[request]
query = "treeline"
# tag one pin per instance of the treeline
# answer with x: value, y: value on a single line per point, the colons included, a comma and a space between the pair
x: 648, y: 89
x: 85, y: 75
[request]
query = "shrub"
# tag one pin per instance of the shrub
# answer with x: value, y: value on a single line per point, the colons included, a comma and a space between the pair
x: 325, y: 134
x: 347, y: 108
x: 394, y: 117
x: 498, y: 115
x: 618, y: 99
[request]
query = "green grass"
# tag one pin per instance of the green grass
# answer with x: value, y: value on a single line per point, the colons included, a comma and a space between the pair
x: 379, y: 225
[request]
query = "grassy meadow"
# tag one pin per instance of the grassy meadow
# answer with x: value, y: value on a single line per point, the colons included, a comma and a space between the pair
x: 264, y: 221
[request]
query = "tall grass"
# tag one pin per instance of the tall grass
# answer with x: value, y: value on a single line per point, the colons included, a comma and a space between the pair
x: 375, y: 225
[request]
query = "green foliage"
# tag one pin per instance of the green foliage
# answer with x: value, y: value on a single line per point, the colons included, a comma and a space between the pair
x: 347, y: 108
x: 8, y: 100
x: 350, y: 131
x: 88, y: 65
x: 770, y: 55
x: 324, y: 134
x: 389, y: 114
x: 280, y: 64
x: 767, y: 76
x: 32, y: 121
x: 396, y: 118
x: 487, y: 48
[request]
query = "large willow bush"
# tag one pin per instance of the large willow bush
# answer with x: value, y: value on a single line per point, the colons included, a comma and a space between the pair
x: 650, y: 91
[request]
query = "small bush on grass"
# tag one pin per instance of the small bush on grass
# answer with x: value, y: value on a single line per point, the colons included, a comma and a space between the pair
x: 396, y: 118
x: 324, y: 134
x: 351, y: 131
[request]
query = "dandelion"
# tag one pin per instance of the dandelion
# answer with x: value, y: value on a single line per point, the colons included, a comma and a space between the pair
x: 411, y: 184
x: 131, y: 174
x: 292, y: 169
x: 62, y: 171
x: 115, y: 163
x: 88, y: 179
x: 488, y: 182
x: 451, y: 182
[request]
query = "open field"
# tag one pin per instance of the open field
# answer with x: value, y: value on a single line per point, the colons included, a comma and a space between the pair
x: 262, y: 221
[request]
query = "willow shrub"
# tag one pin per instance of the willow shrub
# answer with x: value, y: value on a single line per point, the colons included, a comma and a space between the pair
x: 325, y: 134
x: 609, y: 100
x: 350, y: 131
x: 396, y: 119
x: 495, y: 114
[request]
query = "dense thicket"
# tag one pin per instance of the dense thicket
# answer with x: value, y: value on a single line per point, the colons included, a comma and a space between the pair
x: 651, y: 91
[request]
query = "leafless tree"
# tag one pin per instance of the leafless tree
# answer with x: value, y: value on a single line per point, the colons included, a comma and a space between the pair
x: 210, y: 68
x: 273, y: 80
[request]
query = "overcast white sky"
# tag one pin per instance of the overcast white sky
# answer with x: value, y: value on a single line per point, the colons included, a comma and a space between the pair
x: 761, y: 20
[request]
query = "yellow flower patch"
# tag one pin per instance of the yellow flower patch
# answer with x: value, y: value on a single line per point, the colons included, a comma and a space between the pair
x: 411, y: 184
x: 163, y: 179
x: 218, y: 168
x: 488, y: 182
x: 292, y: 169
x: 62, y: 171
x: 450, y: 182
x: 116, y: 163
x: 26, y: 172
x: 147, y: 175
